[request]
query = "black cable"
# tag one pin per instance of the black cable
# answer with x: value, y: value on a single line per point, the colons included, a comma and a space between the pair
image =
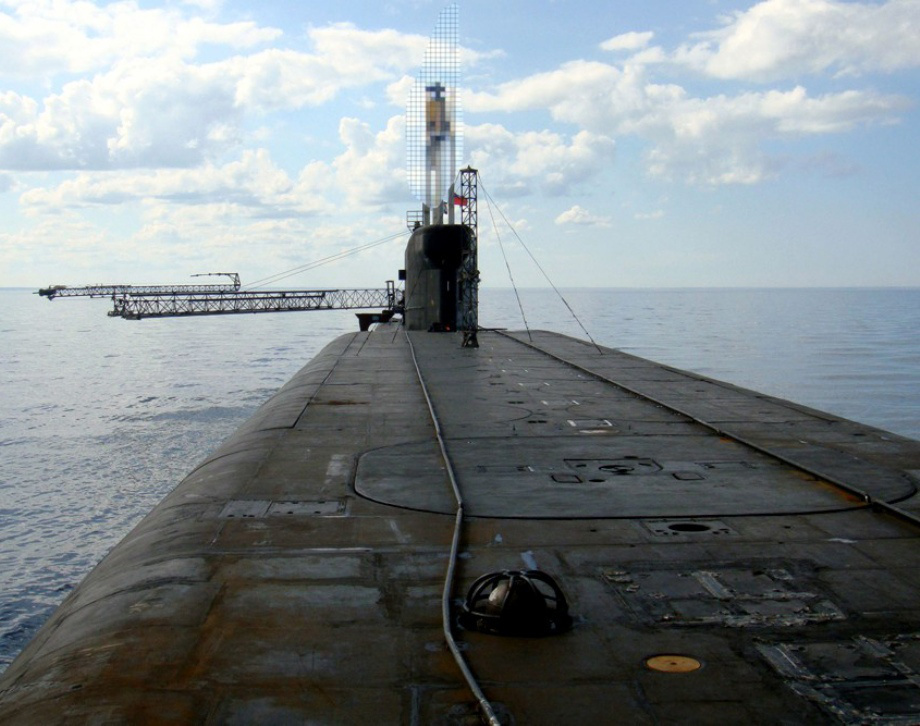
x: 508, y: 266
x: 322, y: 261
x: 539, y: 266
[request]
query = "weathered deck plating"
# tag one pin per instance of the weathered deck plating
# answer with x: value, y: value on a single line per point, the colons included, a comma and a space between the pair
x: 295, y: 576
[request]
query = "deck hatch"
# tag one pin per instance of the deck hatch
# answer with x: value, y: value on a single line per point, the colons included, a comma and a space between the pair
x: 676, y: 527
x: 245, y: 509
x: 855, y: 680
x: 610, y: 468
x: 772, y: 594
x: 324, y: 507
x: 261, y: 508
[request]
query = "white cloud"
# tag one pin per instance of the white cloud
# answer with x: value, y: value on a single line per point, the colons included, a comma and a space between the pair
x: 153, y: 108
x: 711, y: 140
x: 657, y: 214
x: 372, y: 169
x: 537, y: 160
x: 49, y: 36
x: 778, y: 39
x: 398, y: 91
x: 628, y: 41
x: 197, y: 236
x: 153, y: 112
x: 580, y: 216
x: 252, y: 186
x: 149, y: 104
x: 717, y: 140
x: 356, y: 53
x: 207, y: 5
x: 140, y: 114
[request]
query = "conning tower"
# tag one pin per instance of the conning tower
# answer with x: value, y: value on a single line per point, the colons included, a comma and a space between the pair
x: 441, y: 275
x: 434, y: 257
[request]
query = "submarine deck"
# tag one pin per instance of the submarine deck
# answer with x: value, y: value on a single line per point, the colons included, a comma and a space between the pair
x: 768, y: 550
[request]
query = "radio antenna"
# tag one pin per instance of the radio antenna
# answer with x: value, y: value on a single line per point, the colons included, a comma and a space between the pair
x: 434, y: 132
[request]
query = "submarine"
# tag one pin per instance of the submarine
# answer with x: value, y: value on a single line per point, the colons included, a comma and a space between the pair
x: 531, y: 529
x: 434, y: 522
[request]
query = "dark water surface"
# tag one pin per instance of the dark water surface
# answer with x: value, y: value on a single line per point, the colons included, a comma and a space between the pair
x: 100, y: 418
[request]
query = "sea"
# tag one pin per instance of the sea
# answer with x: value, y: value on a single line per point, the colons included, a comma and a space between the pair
x: 100, y: 417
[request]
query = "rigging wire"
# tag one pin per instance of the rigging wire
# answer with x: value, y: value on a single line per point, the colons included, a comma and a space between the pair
x: 508, y: 266
x: 322, y: 261
x: 539, y: 267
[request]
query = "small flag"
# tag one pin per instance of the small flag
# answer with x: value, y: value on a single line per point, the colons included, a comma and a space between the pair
x: 459, y: 201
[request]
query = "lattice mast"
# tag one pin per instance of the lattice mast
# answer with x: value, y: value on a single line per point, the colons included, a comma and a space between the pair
x: 469, y: 265
x: 434, y: 132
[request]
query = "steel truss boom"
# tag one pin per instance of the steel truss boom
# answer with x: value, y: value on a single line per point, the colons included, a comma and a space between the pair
x: 134, y: 306
x: 114, y: 290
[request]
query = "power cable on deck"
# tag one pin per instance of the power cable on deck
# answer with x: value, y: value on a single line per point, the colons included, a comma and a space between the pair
x: 468, y: 675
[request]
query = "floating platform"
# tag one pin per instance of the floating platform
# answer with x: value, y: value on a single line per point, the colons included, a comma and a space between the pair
x: 727, y: 557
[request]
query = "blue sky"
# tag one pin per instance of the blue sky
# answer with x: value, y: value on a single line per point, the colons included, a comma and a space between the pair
x: 656, y: 144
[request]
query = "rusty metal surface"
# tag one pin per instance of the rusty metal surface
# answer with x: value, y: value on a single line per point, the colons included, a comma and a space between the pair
x: 296, y: 575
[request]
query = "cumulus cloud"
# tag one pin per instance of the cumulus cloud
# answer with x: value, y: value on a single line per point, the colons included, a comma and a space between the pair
x: 139, y: 114
x: 398, y: 91
x: 199, y: 235
x: 628, y: 41
x: 713, y: 140
x: 777, y: 39
x: 538, y: 160
x: 580, y: 216
x: 356, y: 53
x: 47, y: 37
x: 149, y: 102
x: 165, y: 111
x: 371, y: 170
x: 253, y: 186
x: 718, y: 140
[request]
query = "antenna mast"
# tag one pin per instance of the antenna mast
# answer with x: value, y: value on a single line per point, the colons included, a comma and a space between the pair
x: 434, y: 132
x: 469, y: 264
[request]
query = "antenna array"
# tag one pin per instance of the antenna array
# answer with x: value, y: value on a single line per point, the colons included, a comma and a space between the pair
x: 434, y: 133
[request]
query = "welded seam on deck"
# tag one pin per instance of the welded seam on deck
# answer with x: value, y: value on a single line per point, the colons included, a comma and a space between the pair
x: 322, y: 383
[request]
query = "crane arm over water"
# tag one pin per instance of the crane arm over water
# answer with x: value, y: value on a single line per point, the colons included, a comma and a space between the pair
x: 135, y: 306
x: 104, y: 290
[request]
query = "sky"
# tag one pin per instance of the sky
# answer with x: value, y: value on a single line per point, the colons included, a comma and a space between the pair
x: 691, y: 143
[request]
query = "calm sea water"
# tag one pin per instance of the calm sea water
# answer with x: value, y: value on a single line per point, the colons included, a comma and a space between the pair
x: 100, y: 418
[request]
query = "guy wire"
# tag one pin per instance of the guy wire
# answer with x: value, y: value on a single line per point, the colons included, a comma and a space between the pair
x: 322, y: 261
x: 508, y: 266
x: 539, y: 266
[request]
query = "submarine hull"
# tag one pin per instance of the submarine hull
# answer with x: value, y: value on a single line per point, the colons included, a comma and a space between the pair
x: 725, y: 555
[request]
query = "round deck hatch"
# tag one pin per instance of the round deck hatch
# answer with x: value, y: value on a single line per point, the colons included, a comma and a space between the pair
x: 673, y: 664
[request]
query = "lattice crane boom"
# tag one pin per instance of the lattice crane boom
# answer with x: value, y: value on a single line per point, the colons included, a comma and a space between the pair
x: 103, y: 290
x: 133, y: 306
